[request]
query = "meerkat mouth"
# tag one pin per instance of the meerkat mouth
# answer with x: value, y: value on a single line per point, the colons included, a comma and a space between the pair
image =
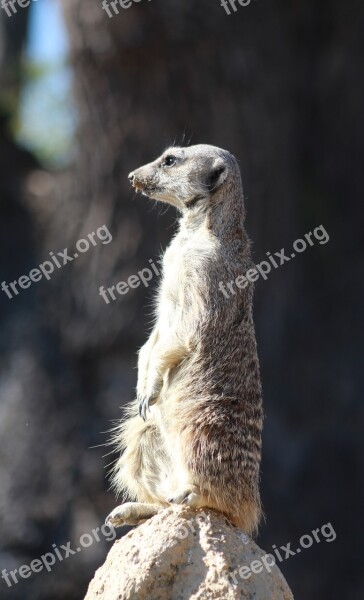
x: 144, y: 188
x: 139, y: 186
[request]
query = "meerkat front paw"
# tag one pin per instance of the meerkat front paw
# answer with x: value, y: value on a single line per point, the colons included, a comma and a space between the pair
x: 146, y: 398
x: 145, y: 402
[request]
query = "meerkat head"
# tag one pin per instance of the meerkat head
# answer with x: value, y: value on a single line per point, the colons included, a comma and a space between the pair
x: 187, y: 177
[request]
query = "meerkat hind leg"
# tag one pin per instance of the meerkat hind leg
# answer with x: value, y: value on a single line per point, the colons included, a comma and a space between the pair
x: 132, y: 513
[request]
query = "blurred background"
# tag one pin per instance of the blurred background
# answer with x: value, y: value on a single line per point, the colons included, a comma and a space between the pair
x: 84, y: 99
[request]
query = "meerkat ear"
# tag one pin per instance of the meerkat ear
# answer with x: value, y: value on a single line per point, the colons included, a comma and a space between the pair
x: 217, y: 175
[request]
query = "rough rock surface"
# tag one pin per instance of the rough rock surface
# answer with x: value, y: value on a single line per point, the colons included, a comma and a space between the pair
x: 185, y: 554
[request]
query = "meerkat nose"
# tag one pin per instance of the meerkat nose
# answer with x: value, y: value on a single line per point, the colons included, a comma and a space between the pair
x: 131, y: 177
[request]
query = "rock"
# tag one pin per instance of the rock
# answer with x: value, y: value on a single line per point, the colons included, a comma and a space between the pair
x: 185, y: 554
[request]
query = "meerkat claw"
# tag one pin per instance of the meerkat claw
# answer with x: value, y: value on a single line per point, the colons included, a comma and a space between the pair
x: 144, y: 406
x: 179, y: 498
x: 189, y: 497
x: 108, y: 521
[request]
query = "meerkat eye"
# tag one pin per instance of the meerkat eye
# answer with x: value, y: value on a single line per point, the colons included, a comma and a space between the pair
x: 169, y: 161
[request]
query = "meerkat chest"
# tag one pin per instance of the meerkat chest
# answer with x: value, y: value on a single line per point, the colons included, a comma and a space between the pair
x: 184, y: 264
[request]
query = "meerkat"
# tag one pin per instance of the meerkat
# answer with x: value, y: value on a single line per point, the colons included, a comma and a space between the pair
x: 193, y: 434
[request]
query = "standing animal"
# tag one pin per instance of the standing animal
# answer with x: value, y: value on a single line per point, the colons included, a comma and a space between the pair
x: 193, y: 434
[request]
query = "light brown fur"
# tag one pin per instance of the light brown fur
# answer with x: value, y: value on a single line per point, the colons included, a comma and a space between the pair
x: 198, y: 374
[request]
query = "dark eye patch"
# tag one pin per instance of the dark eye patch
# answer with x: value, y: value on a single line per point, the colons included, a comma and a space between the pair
x: 169, y: 161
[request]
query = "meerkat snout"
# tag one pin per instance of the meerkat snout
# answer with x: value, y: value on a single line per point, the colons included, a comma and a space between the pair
x: 140, y: 181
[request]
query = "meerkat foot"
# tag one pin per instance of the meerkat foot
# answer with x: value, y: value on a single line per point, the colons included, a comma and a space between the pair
x: 189, y: 497
x: 132, y: 513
